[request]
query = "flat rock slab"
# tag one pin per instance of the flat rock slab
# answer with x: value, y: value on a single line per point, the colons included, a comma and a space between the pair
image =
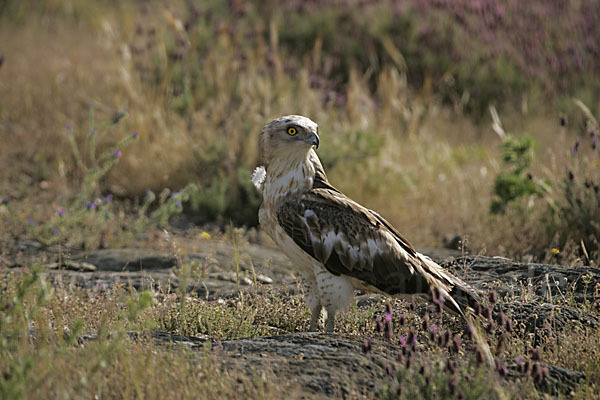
x: 267, y: 266
x: 511, y: 278
x: 540, y: 318
x: 71, y: 266
x: 127, y: 260
x: 329, y: 365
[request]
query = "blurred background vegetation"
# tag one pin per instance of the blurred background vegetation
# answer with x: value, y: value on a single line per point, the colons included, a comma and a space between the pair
x: 401, y: 90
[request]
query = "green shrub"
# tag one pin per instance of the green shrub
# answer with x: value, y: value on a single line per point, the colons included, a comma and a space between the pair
x: 515, y: 182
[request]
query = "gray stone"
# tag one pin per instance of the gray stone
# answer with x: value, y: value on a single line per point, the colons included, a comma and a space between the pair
x: 72, y: 266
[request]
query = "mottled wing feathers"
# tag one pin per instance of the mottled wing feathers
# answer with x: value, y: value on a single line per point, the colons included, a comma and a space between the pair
x: 354, y: 241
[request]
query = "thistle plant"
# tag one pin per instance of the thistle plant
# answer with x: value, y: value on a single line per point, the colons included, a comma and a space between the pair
x: 88, y: 210
x: 89, y: 217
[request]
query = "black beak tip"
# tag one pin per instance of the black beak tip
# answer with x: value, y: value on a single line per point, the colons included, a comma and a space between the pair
x: 315, y: 140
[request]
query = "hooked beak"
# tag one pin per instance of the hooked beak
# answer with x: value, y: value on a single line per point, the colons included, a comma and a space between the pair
x: 313, y: 139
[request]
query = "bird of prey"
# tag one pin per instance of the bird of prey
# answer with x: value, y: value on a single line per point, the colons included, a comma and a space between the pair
x: 337, y: 244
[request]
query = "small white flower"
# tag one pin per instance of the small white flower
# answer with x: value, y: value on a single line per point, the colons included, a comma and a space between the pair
x: 258, y: 177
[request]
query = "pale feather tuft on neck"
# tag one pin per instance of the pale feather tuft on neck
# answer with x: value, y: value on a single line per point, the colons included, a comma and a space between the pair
x: 258, y: 177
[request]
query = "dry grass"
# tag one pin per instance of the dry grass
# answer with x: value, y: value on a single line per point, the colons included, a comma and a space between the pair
x: 426, y: 168
x: 43, y: 354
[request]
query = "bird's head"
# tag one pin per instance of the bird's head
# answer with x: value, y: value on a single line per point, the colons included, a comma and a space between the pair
x: 292, y: 136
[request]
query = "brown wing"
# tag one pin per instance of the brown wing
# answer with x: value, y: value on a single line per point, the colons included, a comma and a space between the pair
x: 354, y: 241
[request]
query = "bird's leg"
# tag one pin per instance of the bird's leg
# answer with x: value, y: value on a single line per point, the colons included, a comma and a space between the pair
x: 315, y: 317
x: 311, y: 294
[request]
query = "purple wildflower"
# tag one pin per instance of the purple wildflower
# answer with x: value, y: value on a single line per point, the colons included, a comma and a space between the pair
x: 388, y: 313
x: 452, y: 385
x: 450, y: 366
x: 501, y: 367
x: 526, y: 367
x: 487, y: 313
x: 432, y: 295
x: 520, y: 362
x: 388, y: 330
x: 30, y: 220
x: 469, y: 331
x: 119, y: 116
x: 61, y: 212
x: 388, y: 369
x: 425, y: 323
x: 55, y: 231
x: 378, y: 324
x: 456, y: 343
x: 432, y: 332
x: 479, y: 356
x: 501, y: 318
x: 402, y: 341
x: 575, y: 147
x: 401, y: 319
x: 91, y: 205
x: 367, y: 345
x: 135, y: 134
x: 178, y: 204
x: 489, y: 329
x: 109, y: 198
x: 447, y: 337
x: 538, y: 372
x: 501, y: 343
x: 412, y: 338
x: 118, y: 153
x: 440, y: 301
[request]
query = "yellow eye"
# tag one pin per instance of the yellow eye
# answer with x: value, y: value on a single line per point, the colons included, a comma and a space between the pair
x: 292, y: 131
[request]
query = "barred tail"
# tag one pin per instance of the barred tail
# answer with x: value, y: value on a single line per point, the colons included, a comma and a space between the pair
x: 461, y: 299
x: 465, y: 296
